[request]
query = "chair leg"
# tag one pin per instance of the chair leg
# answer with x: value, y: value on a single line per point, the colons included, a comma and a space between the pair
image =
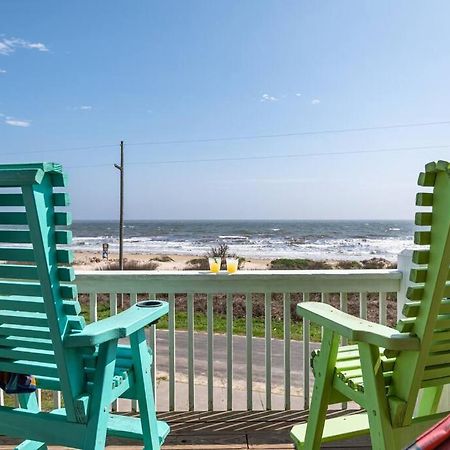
x: 29, y: 401
x: 101, y: 398
x: 381, y: 432
x: 322, y: 390
x: 144, y: 390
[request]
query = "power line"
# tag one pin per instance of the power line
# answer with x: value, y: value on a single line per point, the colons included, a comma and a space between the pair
x: 295, y: 134
x: 265, y: 157
x: 240, y: 138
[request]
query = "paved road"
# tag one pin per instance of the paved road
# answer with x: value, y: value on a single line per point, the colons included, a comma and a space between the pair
x: 239, y: 358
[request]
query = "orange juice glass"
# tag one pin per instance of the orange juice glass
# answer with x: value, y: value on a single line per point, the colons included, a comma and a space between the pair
x: 214, y: 264
x: 232, y: 265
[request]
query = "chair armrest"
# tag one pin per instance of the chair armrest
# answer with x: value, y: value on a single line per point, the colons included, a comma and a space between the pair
x: 357, y: 329
x: 115, y: 327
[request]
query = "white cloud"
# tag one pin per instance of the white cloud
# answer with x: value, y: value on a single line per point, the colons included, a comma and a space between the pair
x: 315, y: 101
x: 81, y: 108
x: 268, y: 98
x: 298, y: 94
x: 4, y: 49
x: 2, y: 71
x: 17, y: 123
x: 10, y: 45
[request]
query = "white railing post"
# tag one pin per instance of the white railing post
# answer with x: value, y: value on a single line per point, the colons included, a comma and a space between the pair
x: 404, y: 263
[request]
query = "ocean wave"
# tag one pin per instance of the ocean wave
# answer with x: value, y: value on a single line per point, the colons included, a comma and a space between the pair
x: 315, y: 240
x: 331, y: 249
x: 234, y: 237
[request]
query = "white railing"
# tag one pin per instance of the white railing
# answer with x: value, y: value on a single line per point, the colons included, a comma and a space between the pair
x: 277, y: 369
x: 247, y: 354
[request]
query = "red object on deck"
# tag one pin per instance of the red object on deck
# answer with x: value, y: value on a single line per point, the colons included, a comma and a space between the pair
x: 437, y: 437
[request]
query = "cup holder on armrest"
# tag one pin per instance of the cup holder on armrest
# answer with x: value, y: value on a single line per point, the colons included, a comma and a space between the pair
x: 149, y: 304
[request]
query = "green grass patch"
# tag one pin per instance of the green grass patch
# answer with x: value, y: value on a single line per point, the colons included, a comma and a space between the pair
x: 298, y: 264
x: 239, y: 325
x: 220, y: 324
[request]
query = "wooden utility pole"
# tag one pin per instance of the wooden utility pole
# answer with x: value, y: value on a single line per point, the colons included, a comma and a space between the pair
x: 120, y: 168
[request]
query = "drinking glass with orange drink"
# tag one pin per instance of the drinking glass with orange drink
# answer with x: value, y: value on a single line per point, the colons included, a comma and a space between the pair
x: 214, y: 264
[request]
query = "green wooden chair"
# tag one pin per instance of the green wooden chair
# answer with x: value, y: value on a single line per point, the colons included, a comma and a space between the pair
x: 43, y: 334
x: 385, y: 368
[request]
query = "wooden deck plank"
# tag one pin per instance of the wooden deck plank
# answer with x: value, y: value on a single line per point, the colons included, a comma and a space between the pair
x: 226, y: 430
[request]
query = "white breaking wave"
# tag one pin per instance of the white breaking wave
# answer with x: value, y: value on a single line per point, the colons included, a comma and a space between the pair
x: 258, y: 248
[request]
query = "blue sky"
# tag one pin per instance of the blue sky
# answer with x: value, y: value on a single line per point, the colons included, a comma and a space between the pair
x: 88, y: 74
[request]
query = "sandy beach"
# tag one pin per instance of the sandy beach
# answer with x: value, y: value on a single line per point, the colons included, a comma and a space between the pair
x: 86, y: 260
x: 89, y: 260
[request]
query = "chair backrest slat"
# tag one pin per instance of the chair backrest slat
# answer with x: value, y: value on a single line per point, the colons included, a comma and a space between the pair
x: 9, y: 330
x: 26, y: 342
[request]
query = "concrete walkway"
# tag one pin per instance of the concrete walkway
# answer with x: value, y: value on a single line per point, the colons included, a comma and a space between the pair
x: 220, y: 371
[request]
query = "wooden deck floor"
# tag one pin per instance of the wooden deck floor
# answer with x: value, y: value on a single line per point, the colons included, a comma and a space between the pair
x: 226, y: 431
x: 240, y: 430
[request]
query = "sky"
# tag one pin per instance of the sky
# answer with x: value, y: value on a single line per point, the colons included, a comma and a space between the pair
x: 176, y: 80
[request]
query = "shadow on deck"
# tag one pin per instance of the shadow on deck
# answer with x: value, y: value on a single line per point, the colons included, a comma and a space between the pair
x: 240, y: 430
x: 228, y: 430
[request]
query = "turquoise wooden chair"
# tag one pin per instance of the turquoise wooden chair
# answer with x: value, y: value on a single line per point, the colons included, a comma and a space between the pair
x: 385, y: 368
x: 43, y: 334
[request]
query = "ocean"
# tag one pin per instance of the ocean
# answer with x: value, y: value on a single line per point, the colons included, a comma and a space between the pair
x: 343, y: 239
